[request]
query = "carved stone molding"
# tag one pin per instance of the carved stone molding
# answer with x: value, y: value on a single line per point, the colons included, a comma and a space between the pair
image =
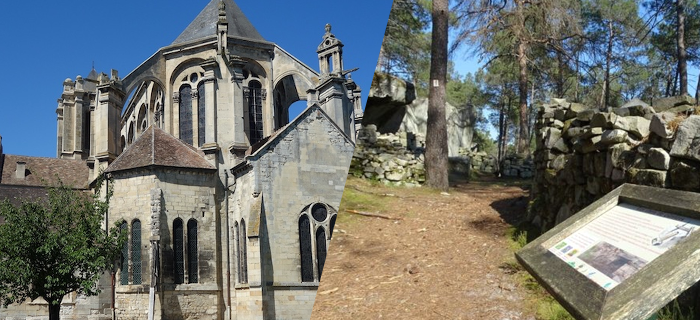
x: 176, y: 97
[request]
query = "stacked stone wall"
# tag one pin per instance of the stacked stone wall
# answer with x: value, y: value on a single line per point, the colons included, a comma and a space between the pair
x: 389, y: 158
x: 583, y: 153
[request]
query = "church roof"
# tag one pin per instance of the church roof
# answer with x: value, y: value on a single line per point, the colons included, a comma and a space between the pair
x: 156, y: 147
x: 204, y: 25
x: 308, y: 112
x: 44, y: 171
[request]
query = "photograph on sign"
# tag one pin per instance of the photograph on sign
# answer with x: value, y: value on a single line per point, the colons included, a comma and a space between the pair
x: 621, y: 241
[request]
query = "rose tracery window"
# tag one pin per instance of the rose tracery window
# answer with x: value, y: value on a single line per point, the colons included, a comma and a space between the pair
x: 316, y: 224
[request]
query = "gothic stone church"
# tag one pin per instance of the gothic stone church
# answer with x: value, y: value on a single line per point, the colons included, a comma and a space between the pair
x: 228, y: 204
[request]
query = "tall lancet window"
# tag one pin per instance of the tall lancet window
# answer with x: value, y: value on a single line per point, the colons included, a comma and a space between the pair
x: 179, y: 251
x: 316, y: 223
x: 136, y: 251
x: 201, y: 123
x: 306, y: 250
x: 192, y: 255
x: 124, y: 265
x: 186, y: 114
x: 255, y: 115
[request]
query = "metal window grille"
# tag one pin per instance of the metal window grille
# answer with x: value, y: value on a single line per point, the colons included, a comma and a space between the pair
x: 244, y: 254
x: 136, y: 251
x: 192, y: 263
x: 320, y: 250
x: 319, y: 212
x: 201, y: 112
x: 124, y: 265
x: 186, y: 114
x: 236, y: 235
x: 307, y: 264
x: 255, y: 116
x: 178, y: 250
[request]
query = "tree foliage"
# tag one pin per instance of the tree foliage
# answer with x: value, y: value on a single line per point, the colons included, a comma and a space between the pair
x: 53, y: 247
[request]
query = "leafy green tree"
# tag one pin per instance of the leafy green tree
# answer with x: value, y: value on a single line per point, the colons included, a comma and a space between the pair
x: 613, y: 30
x: 53, y: 247
x: 513, y: 30
x: 406, y: 47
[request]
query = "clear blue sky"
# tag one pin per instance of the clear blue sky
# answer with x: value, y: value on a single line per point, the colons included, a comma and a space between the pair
x: 45, y: 42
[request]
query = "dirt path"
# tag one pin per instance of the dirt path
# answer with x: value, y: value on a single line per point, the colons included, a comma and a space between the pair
x: 441, y: 258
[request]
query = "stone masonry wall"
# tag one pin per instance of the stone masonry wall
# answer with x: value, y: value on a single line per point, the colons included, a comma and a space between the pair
x: 582, y: 153
x: 389, y: 158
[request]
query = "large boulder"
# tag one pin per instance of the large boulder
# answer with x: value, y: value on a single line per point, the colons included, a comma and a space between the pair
x: 389, y: 89
x: 687, y: 143
x: 460, y: 123
x: 664, y: 104
x: 386, y: 102
x: 660, y: 124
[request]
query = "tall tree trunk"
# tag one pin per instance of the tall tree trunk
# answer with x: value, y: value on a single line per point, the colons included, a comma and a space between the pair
x: 523, y: 149
x: 560, y: 75
x: 697, y: 92
x: 54, y: 310
x: 578, y: 76
x: 674, y: 89
x: 682, y: 54
x: 669, y: 81
x: 608, y: 62
x: 436, y: 165
x: 501, y: 124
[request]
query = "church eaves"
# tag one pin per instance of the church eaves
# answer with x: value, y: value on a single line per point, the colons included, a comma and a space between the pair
x: 204, y: 25
x: 156, y: 147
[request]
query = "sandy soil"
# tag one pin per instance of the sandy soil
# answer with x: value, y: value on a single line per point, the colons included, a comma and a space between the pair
x: 440, y: 256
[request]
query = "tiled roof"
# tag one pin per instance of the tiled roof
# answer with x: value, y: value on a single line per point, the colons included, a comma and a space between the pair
x: 45, y: 171
x: 18, y: 193
x: 204, y: 25
x: 156, y: 147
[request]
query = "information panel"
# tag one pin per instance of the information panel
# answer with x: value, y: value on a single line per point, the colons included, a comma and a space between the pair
x: 621, y: 241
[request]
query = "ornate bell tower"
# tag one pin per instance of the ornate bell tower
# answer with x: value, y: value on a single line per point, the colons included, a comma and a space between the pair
x: 333, y: 94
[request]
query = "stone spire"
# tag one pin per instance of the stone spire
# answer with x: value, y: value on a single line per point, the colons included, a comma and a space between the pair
x: 216, y: 12
x: 330, y: 54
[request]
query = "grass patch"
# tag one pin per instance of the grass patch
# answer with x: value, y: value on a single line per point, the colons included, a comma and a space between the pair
x: 674, y: 311
x: 545, y: 307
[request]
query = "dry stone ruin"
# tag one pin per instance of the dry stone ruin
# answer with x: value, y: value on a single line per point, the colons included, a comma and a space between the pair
x: 583, y: 153
x: 391, y: 144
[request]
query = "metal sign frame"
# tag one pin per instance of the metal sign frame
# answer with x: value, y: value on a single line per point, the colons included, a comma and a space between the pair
x: 640, y: 295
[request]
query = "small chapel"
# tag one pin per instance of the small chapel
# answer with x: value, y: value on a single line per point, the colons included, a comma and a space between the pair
x: 228, y: 202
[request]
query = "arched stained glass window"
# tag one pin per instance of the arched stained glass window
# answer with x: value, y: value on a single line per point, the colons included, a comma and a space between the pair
x: 255, y: 116
x: 307, y: 264
x: 192, y: 255
x: 136, y: 251
x: 244, y: 254
x: 321, y: 250
x: 201, y: 113
x: 186, y: 114
x: 124, y: 265
x: 179, y: 251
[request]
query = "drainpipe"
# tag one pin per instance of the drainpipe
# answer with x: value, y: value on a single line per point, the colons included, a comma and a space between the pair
x: 228, y: 247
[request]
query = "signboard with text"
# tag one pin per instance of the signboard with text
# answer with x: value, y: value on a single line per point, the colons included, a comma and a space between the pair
x: 623, y: 257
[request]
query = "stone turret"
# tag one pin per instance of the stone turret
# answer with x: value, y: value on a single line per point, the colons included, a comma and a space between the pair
x: 333, y: 94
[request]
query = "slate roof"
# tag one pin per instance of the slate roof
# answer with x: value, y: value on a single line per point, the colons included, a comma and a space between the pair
x: 156, y: 147
x: 18, y: 193
x: 72, y: 172
x: 204, y: 25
